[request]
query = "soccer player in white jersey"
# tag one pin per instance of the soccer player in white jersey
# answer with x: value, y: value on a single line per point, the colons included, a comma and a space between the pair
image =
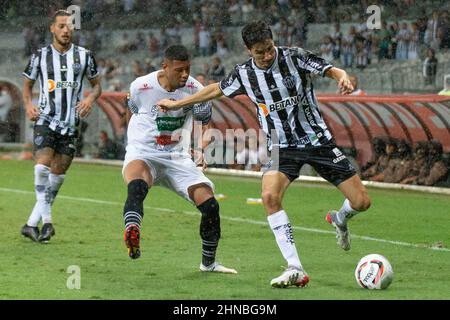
x: 158, y: 153
x: 60, y: 68
x: 278, y: 81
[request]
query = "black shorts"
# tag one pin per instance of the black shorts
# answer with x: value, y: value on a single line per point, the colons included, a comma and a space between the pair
x: 44, y: 137
x: 328, y: 161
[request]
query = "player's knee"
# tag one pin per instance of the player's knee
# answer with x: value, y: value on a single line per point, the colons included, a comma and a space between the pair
x: 137, y: 189
x: 271, y: 199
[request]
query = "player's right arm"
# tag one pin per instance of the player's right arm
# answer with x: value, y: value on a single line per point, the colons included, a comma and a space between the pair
x: 27, y: 93
x: 209, y: 92
x: 31, y: 73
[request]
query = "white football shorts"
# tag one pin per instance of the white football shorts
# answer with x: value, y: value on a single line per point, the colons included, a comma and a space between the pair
x: 176, y: 173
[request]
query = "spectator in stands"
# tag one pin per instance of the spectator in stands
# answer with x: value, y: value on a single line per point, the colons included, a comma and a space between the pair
x: 444, y: 31
x: 153, y: 45
x: 420, y: 160
x: 124, y: 44
x: 107, y: 148
x: 429, y: 69
x: 431, y: 37
x: 247, y: 10
x: 384, y: 40
x: 282, y: 32
x: 336, y: 38
x: 348, y: 47
x: 137, y: 69
x: 235, y: 13
x: 201, y: 77
x: 393, y: 29
x: 403, y: 37
x: 362, y: 53
x: 217, y: 70
x: 402, y: 165
x: 413, y: 46
x: 435, y: 168
x: 163, y: 40
x: 379, y: 149
x: 326, y: 48
x: 299, y: 33
x: 390, y: 161
x: 148, y: 66
x: 204, y: 41
x: 381, y: 161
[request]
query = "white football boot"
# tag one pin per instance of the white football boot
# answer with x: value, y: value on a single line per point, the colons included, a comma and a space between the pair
x: 290, y: 277
x: 216, y: 267
x: 342, y: 232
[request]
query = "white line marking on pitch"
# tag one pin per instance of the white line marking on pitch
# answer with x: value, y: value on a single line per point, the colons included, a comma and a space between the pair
x: 263, y: 223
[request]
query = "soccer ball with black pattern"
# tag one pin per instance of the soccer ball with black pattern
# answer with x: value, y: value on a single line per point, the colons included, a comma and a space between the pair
x: 374, y: 272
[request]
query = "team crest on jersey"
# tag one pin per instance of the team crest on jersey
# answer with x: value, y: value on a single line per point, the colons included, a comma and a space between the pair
x: 76, y: 68
x: 289, y: 82
x: 38, y: 140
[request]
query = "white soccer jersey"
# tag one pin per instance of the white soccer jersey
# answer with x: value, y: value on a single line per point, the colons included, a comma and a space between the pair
x: 151, y: 129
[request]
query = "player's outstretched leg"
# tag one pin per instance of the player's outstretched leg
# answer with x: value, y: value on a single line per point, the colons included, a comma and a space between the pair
x: 356, y: 201
x: 210, y: 234
x: 133, y: 213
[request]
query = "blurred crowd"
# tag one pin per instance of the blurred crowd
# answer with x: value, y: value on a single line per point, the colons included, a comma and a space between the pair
x: 397, y: 161
x: 418, y: 40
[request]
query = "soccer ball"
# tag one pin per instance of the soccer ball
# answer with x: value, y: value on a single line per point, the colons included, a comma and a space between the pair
x: 374, y: 272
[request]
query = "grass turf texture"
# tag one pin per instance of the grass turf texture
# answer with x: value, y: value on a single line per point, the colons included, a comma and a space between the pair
x: 89, y: 228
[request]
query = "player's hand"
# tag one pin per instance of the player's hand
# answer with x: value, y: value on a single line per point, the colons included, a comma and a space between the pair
x: 345, y: 85
x: 32, y: 112
x: 199, y: 159
x: 166, y: 105
x: 84, y: 107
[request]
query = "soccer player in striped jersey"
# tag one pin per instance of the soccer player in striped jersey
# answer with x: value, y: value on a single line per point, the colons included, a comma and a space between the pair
x: 278, y: 80
x: 61, y: 68
x: 158, y: 153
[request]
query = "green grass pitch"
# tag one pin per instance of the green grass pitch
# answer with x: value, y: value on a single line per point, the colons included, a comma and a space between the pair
x: 411, y: 229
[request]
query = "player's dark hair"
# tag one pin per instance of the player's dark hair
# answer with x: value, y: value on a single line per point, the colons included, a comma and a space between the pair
x: 255, y: 32
x: 177, y: 52
x: 60, y: 13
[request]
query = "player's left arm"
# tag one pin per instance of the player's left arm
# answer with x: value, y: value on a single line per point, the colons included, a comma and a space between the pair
x: 342, y: 78
x: 85, y: 105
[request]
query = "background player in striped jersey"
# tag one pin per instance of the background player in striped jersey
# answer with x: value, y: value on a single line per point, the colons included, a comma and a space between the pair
x: 279, y: 82
x: 158, y: 153
x: 61, y: 68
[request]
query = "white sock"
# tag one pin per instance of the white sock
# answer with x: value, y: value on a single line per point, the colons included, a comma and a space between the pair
x: 42, y: 207
x: 279, y: 223
x: 56, y: 181
x: 346, y: 212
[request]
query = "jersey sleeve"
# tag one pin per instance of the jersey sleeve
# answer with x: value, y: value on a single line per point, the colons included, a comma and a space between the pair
x: 202, y: 112
x: 231, y: 85
x: 308, y: 61
x: 32, y: 70
x: 132, y: 104
x: 92, y: 70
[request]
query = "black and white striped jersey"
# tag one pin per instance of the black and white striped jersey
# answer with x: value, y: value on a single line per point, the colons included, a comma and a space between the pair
x: 284, y: 97
x: 61, y: 84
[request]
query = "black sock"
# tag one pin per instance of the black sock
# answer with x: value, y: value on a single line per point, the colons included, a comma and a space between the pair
x: 209, y: 230
x: 133, y: 211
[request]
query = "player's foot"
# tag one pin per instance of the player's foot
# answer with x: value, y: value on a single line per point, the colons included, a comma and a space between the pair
x: 290, y: 277
x: 47, y: 232
x: 30, y: 232
x: 216, y: 267
x: 342, y: 232
x: 132, y: 237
